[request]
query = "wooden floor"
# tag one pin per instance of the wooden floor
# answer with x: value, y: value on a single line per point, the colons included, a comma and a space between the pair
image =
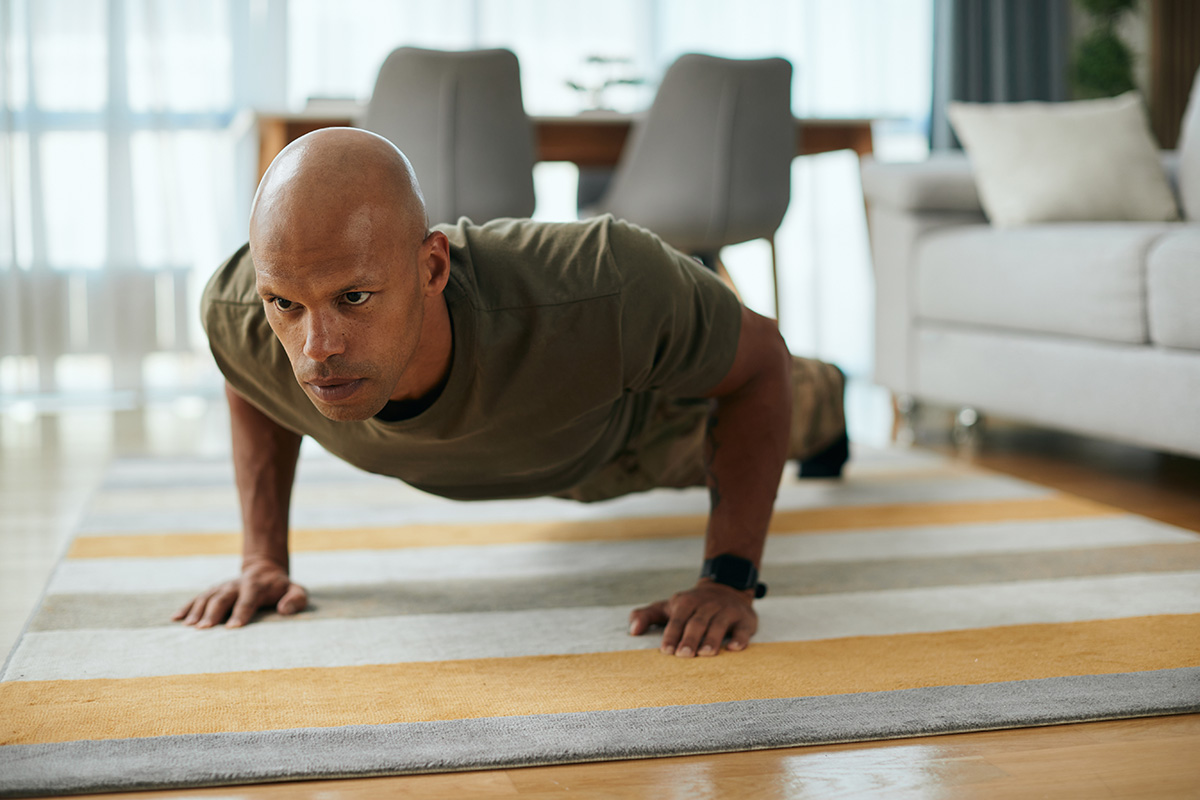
x: 42, y: 488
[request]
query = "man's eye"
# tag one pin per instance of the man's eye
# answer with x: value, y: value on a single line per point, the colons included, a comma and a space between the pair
x: 282, y: 304
x: 356, y: 298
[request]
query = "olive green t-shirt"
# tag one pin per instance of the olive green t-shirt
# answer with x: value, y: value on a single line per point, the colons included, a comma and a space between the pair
x: 564, y: 335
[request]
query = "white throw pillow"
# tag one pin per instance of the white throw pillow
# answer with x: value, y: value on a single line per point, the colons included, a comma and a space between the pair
x: 1054, y: 162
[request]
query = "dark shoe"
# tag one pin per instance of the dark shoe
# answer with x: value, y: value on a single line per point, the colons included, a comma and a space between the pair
x: 827, y: 463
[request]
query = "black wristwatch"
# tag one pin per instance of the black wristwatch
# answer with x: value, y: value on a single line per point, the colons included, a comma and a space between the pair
x: 734, y: 571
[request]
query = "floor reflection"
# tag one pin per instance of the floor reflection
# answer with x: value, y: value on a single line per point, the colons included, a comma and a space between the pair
x: 927, y: 772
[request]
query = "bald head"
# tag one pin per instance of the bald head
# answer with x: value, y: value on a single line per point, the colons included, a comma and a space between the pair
x: 350, y: 277
x: 337, y: 184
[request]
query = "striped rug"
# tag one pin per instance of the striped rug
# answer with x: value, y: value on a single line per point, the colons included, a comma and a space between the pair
x: 914, y: 597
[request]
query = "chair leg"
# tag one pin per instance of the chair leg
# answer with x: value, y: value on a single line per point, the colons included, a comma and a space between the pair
x: 775, y: 280
x: 968, y: 428
x: 904, y: 419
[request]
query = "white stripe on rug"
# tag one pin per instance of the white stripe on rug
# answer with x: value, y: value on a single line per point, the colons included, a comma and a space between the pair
x: 177, y: 649
x: 163, y: 510
x: 317, y: 467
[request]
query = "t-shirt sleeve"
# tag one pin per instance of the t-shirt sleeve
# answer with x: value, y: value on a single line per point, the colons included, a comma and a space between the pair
x: 245, y: 349
x: 679, y: 322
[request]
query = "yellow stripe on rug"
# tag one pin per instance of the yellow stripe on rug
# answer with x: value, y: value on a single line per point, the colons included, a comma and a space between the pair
x: 152, y: 545
x: 58, y: 711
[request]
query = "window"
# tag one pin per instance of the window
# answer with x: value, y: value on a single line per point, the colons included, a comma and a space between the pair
x: 127, y: 149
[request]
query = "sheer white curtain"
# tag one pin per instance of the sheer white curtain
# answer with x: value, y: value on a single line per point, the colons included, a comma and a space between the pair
x: 119, y: 185
x: 852, y: 57
x: 127, y: 148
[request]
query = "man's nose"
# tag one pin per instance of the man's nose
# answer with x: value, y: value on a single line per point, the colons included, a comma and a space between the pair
x: 322, y: 337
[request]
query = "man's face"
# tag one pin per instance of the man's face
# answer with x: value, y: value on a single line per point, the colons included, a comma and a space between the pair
x: 348, y: 310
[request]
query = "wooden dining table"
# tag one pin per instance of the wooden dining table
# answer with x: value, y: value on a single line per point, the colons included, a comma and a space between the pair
x: 592, y: 139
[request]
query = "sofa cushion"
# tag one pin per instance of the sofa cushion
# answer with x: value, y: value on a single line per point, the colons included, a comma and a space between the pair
x: 1189, y: 155
x: 1079, y: 279
x: 1173, y: 289
x: 1088, y: 160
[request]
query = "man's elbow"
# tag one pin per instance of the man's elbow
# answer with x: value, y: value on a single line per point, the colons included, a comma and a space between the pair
x: 773, y: 357
x: 762, y: 363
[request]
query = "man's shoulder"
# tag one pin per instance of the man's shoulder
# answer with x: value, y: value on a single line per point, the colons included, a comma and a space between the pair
x: 515, y: 263
x: 232, y: 312
x: 246, y: 351
x: 232, y: 284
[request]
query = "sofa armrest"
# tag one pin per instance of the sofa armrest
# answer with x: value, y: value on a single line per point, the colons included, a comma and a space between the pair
x: 905, y: 202
x: 943, y: 182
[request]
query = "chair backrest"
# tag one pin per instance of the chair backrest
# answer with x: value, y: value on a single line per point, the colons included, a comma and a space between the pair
x: 711, y: 163
x: 459, y: 118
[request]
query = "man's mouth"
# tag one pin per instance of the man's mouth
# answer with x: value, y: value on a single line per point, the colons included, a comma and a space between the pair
x: 333, y: 390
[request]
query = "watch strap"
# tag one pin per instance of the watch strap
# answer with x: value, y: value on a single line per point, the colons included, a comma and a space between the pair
x: 734, y: 571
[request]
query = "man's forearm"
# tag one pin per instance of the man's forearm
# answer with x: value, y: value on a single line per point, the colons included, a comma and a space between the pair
x: 745, y: 447
x: 745, y: 450
x: 264, y: 461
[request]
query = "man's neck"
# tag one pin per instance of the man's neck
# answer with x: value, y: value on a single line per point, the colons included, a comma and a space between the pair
x: 430, y: 367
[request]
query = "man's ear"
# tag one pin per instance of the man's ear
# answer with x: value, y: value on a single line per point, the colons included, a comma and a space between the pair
x: 435, y: 262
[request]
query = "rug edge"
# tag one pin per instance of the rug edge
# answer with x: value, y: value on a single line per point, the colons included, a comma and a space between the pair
x: 451, y: 746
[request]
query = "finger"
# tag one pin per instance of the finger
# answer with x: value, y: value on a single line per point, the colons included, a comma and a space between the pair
x: 693, y: 632
x: 218, y: 608
x: 717, y: 629
x: 295, y: 599
x: 183, y: 612
x: 198, y: 606
x: 644, y: 618
x: 680, y: 608
x: 739, y: 638
x: 244, y: 606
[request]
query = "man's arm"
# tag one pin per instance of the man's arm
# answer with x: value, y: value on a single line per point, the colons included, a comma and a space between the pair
x: 745, y: 451
x: 264, y: 463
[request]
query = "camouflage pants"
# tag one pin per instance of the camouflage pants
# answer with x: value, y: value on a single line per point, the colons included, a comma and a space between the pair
x: 669, y: 452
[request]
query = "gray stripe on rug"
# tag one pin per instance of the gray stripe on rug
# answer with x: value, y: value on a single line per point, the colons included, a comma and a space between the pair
x: 115, y: 611
x: 506, y: 742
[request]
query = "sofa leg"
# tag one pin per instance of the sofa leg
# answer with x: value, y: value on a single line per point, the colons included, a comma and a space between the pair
x: 904, y: 419
x: 968, y: 427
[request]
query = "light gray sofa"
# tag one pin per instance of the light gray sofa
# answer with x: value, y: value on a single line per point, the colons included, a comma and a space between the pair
x: 1089, y: 327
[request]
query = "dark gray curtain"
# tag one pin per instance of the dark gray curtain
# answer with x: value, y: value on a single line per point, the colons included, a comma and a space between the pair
x: 992, y: 51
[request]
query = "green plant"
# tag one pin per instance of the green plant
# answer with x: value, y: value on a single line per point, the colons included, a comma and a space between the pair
x: 1103, y: 64
x: 1106, y: 8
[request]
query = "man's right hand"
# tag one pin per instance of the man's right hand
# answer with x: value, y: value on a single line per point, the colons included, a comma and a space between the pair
x: 261, y: 584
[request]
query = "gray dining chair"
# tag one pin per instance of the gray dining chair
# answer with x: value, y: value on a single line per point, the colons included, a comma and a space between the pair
x: 710, y: 164
x: 460, y: 119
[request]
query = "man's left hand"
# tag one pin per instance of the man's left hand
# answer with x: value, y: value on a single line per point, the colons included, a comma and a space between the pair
x: 697, y: 621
